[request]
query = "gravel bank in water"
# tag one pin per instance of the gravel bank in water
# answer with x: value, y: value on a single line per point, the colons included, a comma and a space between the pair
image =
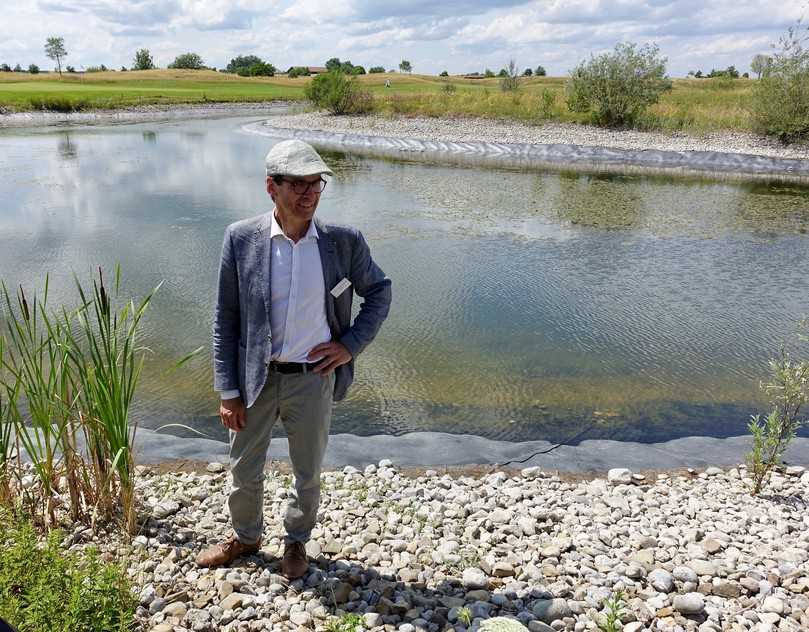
x: 493, y: 131
x: 688, y: 552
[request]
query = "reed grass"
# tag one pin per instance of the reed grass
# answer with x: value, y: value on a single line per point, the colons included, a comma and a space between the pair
x: 65, y: 375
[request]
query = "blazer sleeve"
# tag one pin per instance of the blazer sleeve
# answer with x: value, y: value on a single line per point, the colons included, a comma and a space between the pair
x: 226, y: 320
x: 369, y: 282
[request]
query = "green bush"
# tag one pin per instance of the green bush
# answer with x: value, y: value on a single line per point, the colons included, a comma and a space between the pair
x: 338, y: 93
x: 33, y: 69
x: 617, y: 87
x: 781, y: 96
x: 58, y: 104
x: 373, y: 70
x: 298, y: 71
x: 258, y: 69
x: 45, y: 588
x: 187, y: 61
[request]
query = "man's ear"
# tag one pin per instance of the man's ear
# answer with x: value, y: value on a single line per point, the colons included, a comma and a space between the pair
x: 271, y: 187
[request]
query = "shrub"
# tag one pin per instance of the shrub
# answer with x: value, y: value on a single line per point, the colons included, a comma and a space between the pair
x: 242, y: 61
x: 5, y: 68
x: 547, y: 103
x: 781, y: 96
x: 259, y: 69
x: 448, y: 88
x: 143, y: 60
x: 33, y: 69
x: 510, y: 77
x: 357, y: 70
x: 527, y: 72
x: 43, y: 587
x: 373, y: 70
x: 617, y: 87
x: 298, y: 71
x: 444, y: 73
x: 788, y: 389
x: 187, y: 61
x: 101, y: 68
x: 339, y: 94
x: 58, y: 104
x: 540, y: 71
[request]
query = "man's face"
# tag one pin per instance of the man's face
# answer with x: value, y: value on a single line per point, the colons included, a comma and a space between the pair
x: 293, y: 205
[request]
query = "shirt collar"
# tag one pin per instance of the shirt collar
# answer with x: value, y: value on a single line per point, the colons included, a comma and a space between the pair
x: 276, y: 230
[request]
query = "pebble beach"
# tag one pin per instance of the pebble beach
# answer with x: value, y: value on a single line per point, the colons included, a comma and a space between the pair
x: 419, y: 551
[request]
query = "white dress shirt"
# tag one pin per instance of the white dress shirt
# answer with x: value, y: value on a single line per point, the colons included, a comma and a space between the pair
x: 298, y: 308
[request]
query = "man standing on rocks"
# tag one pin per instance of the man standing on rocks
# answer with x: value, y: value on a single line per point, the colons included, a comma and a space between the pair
x: 284, y: 344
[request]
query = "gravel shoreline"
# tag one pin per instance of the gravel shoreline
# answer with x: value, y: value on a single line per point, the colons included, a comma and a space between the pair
x: 693, y: 552
x: 494, y: 131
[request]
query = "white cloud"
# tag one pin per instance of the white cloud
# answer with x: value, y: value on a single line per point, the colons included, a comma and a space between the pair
x: 456, y: 35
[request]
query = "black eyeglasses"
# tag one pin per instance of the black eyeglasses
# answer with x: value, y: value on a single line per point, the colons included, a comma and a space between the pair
x: 301, y: 187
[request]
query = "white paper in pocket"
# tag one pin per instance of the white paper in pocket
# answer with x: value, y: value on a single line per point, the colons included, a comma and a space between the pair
x: 341, y: 287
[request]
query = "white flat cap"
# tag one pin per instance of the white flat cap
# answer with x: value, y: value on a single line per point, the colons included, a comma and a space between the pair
x: 295, y: 158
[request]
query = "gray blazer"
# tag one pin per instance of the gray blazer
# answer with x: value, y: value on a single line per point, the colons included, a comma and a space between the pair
x: 242, y: 339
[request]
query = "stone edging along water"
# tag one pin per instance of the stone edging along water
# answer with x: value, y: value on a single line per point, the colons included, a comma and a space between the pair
x: 552, y: 155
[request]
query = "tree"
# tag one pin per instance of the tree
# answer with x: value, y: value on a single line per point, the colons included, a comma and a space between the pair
x: 298, y: 71
x: 357, y: 70
x: 617, y: 87
x: 488, y: 73
x: 540, y: 71
x: 55, y: 49
x: 333, y: 64
x: 143, y: 60
x: 405, y: 66
x: 258, y: 69
x: 70, y: 69
x: 373, y: 70
x: 347, y: 67
x: 338, y: 93
x: 17, y: 68
x: 33, y: 69
x: 5, y: 68
x: 527, y: 72
x: 242, y: 61
x: 444, y: 73
x: 760, y: 64
x: 503, y: 73
x: 781, y: 96
x: 187, y: 61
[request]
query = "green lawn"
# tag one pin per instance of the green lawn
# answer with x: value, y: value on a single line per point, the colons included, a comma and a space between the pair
x: 694, y: 105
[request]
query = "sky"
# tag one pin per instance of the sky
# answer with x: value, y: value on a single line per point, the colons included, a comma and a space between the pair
x: 458, y: 36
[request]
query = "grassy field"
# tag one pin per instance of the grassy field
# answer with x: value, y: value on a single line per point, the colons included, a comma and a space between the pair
x: 694, y: 105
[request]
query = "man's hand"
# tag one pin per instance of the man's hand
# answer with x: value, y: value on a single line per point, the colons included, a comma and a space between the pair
x: 334, y: 354
x: 232, y: 413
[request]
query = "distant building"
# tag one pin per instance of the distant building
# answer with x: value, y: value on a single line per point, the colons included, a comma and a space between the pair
x: 316, y: 70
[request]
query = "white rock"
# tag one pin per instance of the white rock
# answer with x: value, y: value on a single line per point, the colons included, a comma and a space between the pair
x: 619, y: 476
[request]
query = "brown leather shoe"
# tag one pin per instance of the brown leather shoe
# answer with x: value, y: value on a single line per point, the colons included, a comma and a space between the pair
x: 225, y: 552
x: 295, y: 562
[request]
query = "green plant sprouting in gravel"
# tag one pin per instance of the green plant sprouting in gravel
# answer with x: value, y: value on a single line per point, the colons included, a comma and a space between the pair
x: 614, y: 609
x: 345, y: 623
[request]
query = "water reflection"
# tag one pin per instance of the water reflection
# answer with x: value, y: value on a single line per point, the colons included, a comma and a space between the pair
x: 527, y: 303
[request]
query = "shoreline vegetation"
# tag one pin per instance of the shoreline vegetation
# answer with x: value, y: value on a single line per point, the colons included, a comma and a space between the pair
x: 693, y: 106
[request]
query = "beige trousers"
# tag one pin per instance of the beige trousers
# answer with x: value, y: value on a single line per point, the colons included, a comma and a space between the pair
x: 303, y: 402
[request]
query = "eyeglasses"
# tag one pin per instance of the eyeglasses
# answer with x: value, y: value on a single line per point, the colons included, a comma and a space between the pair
x: 301, y: 187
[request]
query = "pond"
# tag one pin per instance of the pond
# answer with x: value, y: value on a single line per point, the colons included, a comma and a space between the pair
x: 528, y: 304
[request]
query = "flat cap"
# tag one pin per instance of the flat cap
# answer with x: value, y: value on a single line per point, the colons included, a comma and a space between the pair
x: 295, y: 158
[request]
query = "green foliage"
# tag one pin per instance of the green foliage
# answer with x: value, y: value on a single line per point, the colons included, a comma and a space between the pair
x: 17, y: 68
x: 55, y: 49
x: 730, y: 72
x: 615, y: 608
x: 101, y: 68
x: 444, y: 73
x: 242, y: 61
x: 187, y: 61
x: 617, y: 87
x: 5, y: 68
x: 333, y: 64
x: 346, y: 623
x: 540, y: 71
x: 547, y: 103
x: 53, y: 103
x: 358, y: 70
x: 337, y: 93
x: 43, y: 587
x: 465, y: 616
x: 448, y: 88
x: 760, y: 65
x: 374, y: 70
x: 143, y: 60
x: 33, y: 69
x: 527, y: 72
x: 789, y: 392
x: 781, y: 96
x: 259, y: 69
x: 405, y: 66
x: 298, y: 71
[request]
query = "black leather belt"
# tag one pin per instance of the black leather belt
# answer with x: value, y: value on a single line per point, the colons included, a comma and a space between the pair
x: 293, y: 367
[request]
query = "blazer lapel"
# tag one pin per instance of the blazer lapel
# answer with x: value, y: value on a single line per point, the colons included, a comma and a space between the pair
x: 263, y: 251
x: 328, y: 253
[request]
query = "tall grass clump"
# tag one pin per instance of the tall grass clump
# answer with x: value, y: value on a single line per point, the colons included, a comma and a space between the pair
x: 788, y: 390
x: 67, y: 379
x: 52, y: 103
x: 781, y: 96
x: 338, y: 93
x: 617, y: 87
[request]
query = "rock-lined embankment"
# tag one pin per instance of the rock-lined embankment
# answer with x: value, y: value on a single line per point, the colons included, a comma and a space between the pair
x: 688, y: 551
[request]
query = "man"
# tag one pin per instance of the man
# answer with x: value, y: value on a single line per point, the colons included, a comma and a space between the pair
x: 284, y: 344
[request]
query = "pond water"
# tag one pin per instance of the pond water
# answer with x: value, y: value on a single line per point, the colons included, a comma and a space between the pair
x: 528, y: 304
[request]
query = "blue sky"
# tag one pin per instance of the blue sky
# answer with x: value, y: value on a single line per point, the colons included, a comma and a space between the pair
x: 453, y: 35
